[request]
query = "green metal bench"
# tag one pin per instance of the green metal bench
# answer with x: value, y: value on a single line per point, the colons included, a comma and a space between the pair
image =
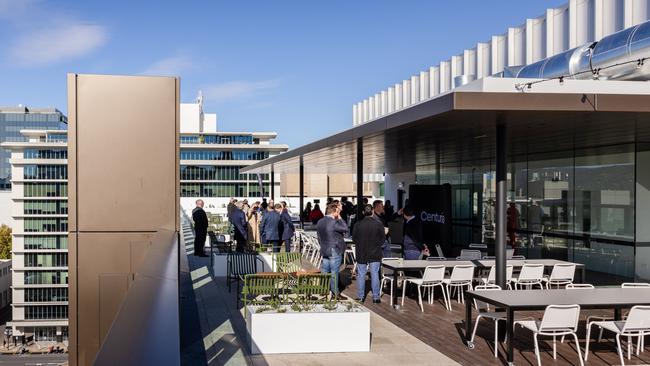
x: 312, y: 287
x: 287, y: 262
x: 264, y: 289
x: 240, y: 265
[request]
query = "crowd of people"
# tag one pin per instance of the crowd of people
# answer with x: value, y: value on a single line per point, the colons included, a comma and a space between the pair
x: 268, y: 222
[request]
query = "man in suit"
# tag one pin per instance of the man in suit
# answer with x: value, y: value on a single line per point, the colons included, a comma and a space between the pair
x: 238, y: 220
x: 270, y: 226
x: 331, y: 231
x: 368, y: 236
x: 200, y: 228
x: 413, y: 239
x: 287, y: 227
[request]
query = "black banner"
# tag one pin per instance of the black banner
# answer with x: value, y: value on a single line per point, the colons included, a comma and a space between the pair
x: 432, y: 206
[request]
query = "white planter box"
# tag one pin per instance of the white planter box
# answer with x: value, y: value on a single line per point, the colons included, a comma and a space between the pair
x: 308, y: 332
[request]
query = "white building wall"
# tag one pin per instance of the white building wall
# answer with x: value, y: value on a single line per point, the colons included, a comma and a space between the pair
x: 190, y: 117
x: 5, y: 208
x: 555, y: 31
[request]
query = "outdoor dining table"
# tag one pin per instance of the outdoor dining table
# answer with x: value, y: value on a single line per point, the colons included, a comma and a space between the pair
x: 525, y: 300
x: 419, y: 265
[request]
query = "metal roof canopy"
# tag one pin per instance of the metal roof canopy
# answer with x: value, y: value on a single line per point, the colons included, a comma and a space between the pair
x: 461, y: 126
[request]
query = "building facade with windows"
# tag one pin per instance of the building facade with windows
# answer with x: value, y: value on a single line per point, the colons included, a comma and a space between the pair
x: 39, y: 210
x: 210, y: 160
x: 15, y: 119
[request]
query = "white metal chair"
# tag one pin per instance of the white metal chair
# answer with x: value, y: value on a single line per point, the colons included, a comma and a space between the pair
x: 637, y: 324
x: 433, y: 276
x: 385, y: 278
x: 590, y: 318
x: 635, y: 285
x: 562, y: 274
x: 530, y: 275
x: 485, y: 313
x: 461, y: 276
x: 470, y: 254
x: 350, y: 253
x: 477, y: 246
x: 558, y: 320
x: 491, y: 278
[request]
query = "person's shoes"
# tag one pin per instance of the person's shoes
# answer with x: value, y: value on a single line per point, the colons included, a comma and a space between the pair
x: 376, y: 301
x: 358, y: 299
x: 341, y: 297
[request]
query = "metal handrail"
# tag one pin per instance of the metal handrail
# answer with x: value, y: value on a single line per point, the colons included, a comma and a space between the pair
x: 146, y: 330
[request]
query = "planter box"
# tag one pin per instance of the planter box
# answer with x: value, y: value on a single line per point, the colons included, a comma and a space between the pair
x: 308, y: 332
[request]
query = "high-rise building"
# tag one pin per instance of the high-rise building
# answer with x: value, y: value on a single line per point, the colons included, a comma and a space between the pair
x: 15, y: 119
x: 211, y: 160
x: 39, y: 210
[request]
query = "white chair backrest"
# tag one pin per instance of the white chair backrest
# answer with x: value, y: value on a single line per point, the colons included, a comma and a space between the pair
x: 478, y: 246
x: 531, y: 272
x: 518, y: 257
x: 563, y: 271
x: 462, y: 273
x: 433, y: 274
x: 439, y: 251
x: 493, y: 273
x: 509, y: 253
x: 580, y: 286
x: 470, y: 254
x: 560, y: 317
x: 635, y: 285
x: 637, y: 319
x: 480, y: 305
x: 436, y: 258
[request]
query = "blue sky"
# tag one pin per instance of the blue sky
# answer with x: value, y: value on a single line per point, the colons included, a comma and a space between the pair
x: 291, y: 66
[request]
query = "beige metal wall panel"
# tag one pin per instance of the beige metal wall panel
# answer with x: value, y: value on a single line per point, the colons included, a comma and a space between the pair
x: 126, y: 148
x: 123, y: 187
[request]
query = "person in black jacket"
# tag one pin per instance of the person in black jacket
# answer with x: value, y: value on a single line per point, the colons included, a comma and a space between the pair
x: 331, y: 233
x: 413, y: 239
x: 368, y: 237
x: 238, y: 220
x: 200, y: 228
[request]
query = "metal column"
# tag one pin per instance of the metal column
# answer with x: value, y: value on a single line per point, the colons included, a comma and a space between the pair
x: 301, y: 184
x: 502, y: 179
x: 272, y: 183
x: 359, y: 178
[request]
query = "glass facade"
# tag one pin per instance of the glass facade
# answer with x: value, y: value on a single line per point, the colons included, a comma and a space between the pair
x: 43, y: 207
x: 45, y: 225
x: 46, y: 277
x: 46, y: 312
x: 46, y: 189
x: 46, y: 260
x: 40, y: 242
x: 577, y: 205
x: 217, y: 139
x: 223, y: 155
x: 46, y: 294
x: 211, y: 172
x: 45, y: 154
x: 45, y: 171
x: 11, y: 123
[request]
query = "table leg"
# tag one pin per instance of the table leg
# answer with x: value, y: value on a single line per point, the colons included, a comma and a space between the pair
x: 617, y: 314
x: 583, y: 277
x: 510, y: 330
x: 394, y: 284
x: 468, y: 321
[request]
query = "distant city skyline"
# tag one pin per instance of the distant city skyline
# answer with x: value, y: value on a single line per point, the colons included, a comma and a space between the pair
x: 291, y: 67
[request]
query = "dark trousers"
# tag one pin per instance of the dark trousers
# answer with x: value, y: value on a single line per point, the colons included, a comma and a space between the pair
x: 276, y: 245
x: 241, y: 241
x: 287, y: 245
x: 199, y: 241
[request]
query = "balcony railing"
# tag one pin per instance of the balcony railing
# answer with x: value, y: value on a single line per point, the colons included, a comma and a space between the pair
x: 146, y: 330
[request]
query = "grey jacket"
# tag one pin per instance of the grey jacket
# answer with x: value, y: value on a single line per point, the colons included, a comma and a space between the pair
x: 330, y: 235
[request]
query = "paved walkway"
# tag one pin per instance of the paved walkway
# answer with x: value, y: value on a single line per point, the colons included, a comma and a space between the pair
x: 223, y: 328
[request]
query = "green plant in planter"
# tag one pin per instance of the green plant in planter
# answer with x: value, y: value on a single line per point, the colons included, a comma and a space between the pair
x: 331, y: 306
x: 351, y: 305
x: 281, y: 310
x: 262, y: 309
x: 296, y: 307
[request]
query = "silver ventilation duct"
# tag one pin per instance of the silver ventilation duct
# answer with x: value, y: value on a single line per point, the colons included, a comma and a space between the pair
x: 596, y: 60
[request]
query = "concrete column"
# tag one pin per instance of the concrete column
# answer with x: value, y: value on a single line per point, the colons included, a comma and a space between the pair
x: 502, y: 180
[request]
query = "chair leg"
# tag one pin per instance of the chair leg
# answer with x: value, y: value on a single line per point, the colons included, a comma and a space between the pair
x: 420, y: 298
x: 620, y: 350
x: 539, y: 362
x: 629, y: 347
x: 554, y: 347
x: 575, y: 336
x: 475, y: 327
x: 587, y: 340
x: 496, y: 337
x: 403, y: 291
